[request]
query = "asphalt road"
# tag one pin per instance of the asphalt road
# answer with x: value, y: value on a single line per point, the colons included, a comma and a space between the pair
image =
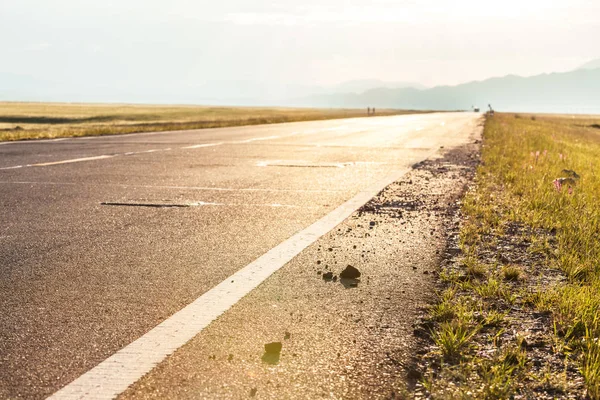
x: 103, y: 238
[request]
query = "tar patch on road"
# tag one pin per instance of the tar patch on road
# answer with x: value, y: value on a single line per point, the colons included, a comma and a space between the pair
x: 153, y: 205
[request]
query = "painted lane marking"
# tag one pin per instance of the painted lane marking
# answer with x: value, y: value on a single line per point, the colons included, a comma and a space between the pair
x: 206, y: 188
x: 257, y: 139
x: 35, y: 141
x: 135, y: 152
x: 336, y: 128
x: 115, y: 374
x: 366, y: 121
x: 73, y: 160
x: 197, y: 146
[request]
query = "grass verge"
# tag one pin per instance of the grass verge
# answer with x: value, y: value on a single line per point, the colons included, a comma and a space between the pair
x: 519, y: 314
x: 20, y: 121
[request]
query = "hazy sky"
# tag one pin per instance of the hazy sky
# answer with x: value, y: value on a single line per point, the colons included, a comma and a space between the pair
x: 173, y: 43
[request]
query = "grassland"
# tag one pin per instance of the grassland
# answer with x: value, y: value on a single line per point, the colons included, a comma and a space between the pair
x: 20, y: 121
x: 519, y: 313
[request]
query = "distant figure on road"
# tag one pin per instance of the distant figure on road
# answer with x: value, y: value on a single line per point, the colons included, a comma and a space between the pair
x: 373, y: 110
x: 368, y: 110
x: 491, y: 110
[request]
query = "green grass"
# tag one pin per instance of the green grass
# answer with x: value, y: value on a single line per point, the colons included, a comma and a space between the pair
x: 523, y: 159
x: 20, y: 121
x: 453, y: 337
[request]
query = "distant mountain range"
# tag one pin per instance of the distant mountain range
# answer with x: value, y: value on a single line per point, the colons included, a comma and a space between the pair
x: 16, y: 87
x: 361, y: 86
x: 591, y: 65
x: 569, y: 92
x: 576, y: 91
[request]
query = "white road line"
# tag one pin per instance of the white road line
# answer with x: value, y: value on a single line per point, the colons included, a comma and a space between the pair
x: 206, y: 188
x: 35, y: 141
x: 115, y: 374
x: 73, y: 160
x: 134, y: 152
x: 367, y: 121
x: 257, y: 139
x: 197, y: 146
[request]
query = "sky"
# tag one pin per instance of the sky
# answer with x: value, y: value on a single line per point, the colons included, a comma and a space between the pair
x: 149, y: 47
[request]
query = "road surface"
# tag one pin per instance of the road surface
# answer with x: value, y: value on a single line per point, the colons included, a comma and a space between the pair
x: 104, y: 238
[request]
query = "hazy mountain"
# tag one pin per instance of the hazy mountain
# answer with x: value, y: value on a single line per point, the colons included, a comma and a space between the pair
x: 570, y: 92
x: 14, y: 87
x: 360, y: 86
x: 591, y: 65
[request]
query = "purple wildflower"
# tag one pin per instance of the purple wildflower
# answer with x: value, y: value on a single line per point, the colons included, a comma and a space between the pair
x: 557, y: 184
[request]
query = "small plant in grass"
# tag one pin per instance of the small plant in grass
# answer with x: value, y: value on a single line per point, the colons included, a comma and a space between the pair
x: 513, y: 356
x: 591, y: 369
x: 474, y: 268
x: 493, y: 318
x: 453, y: 338
x: 540, y: 245
x: 492, y: 288
x: 443, y: 311
x: 449, y: 276
x: 511, y: 273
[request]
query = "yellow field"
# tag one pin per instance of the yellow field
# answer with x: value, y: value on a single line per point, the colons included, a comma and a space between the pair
x: 52, y: 120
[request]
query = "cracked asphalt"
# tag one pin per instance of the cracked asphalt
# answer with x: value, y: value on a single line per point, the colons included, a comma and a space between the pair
x: 80, y: 279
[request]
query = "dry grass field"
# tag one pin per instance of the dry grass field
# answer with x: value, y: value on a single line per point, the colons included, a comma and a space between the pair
x: 20, y: 121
